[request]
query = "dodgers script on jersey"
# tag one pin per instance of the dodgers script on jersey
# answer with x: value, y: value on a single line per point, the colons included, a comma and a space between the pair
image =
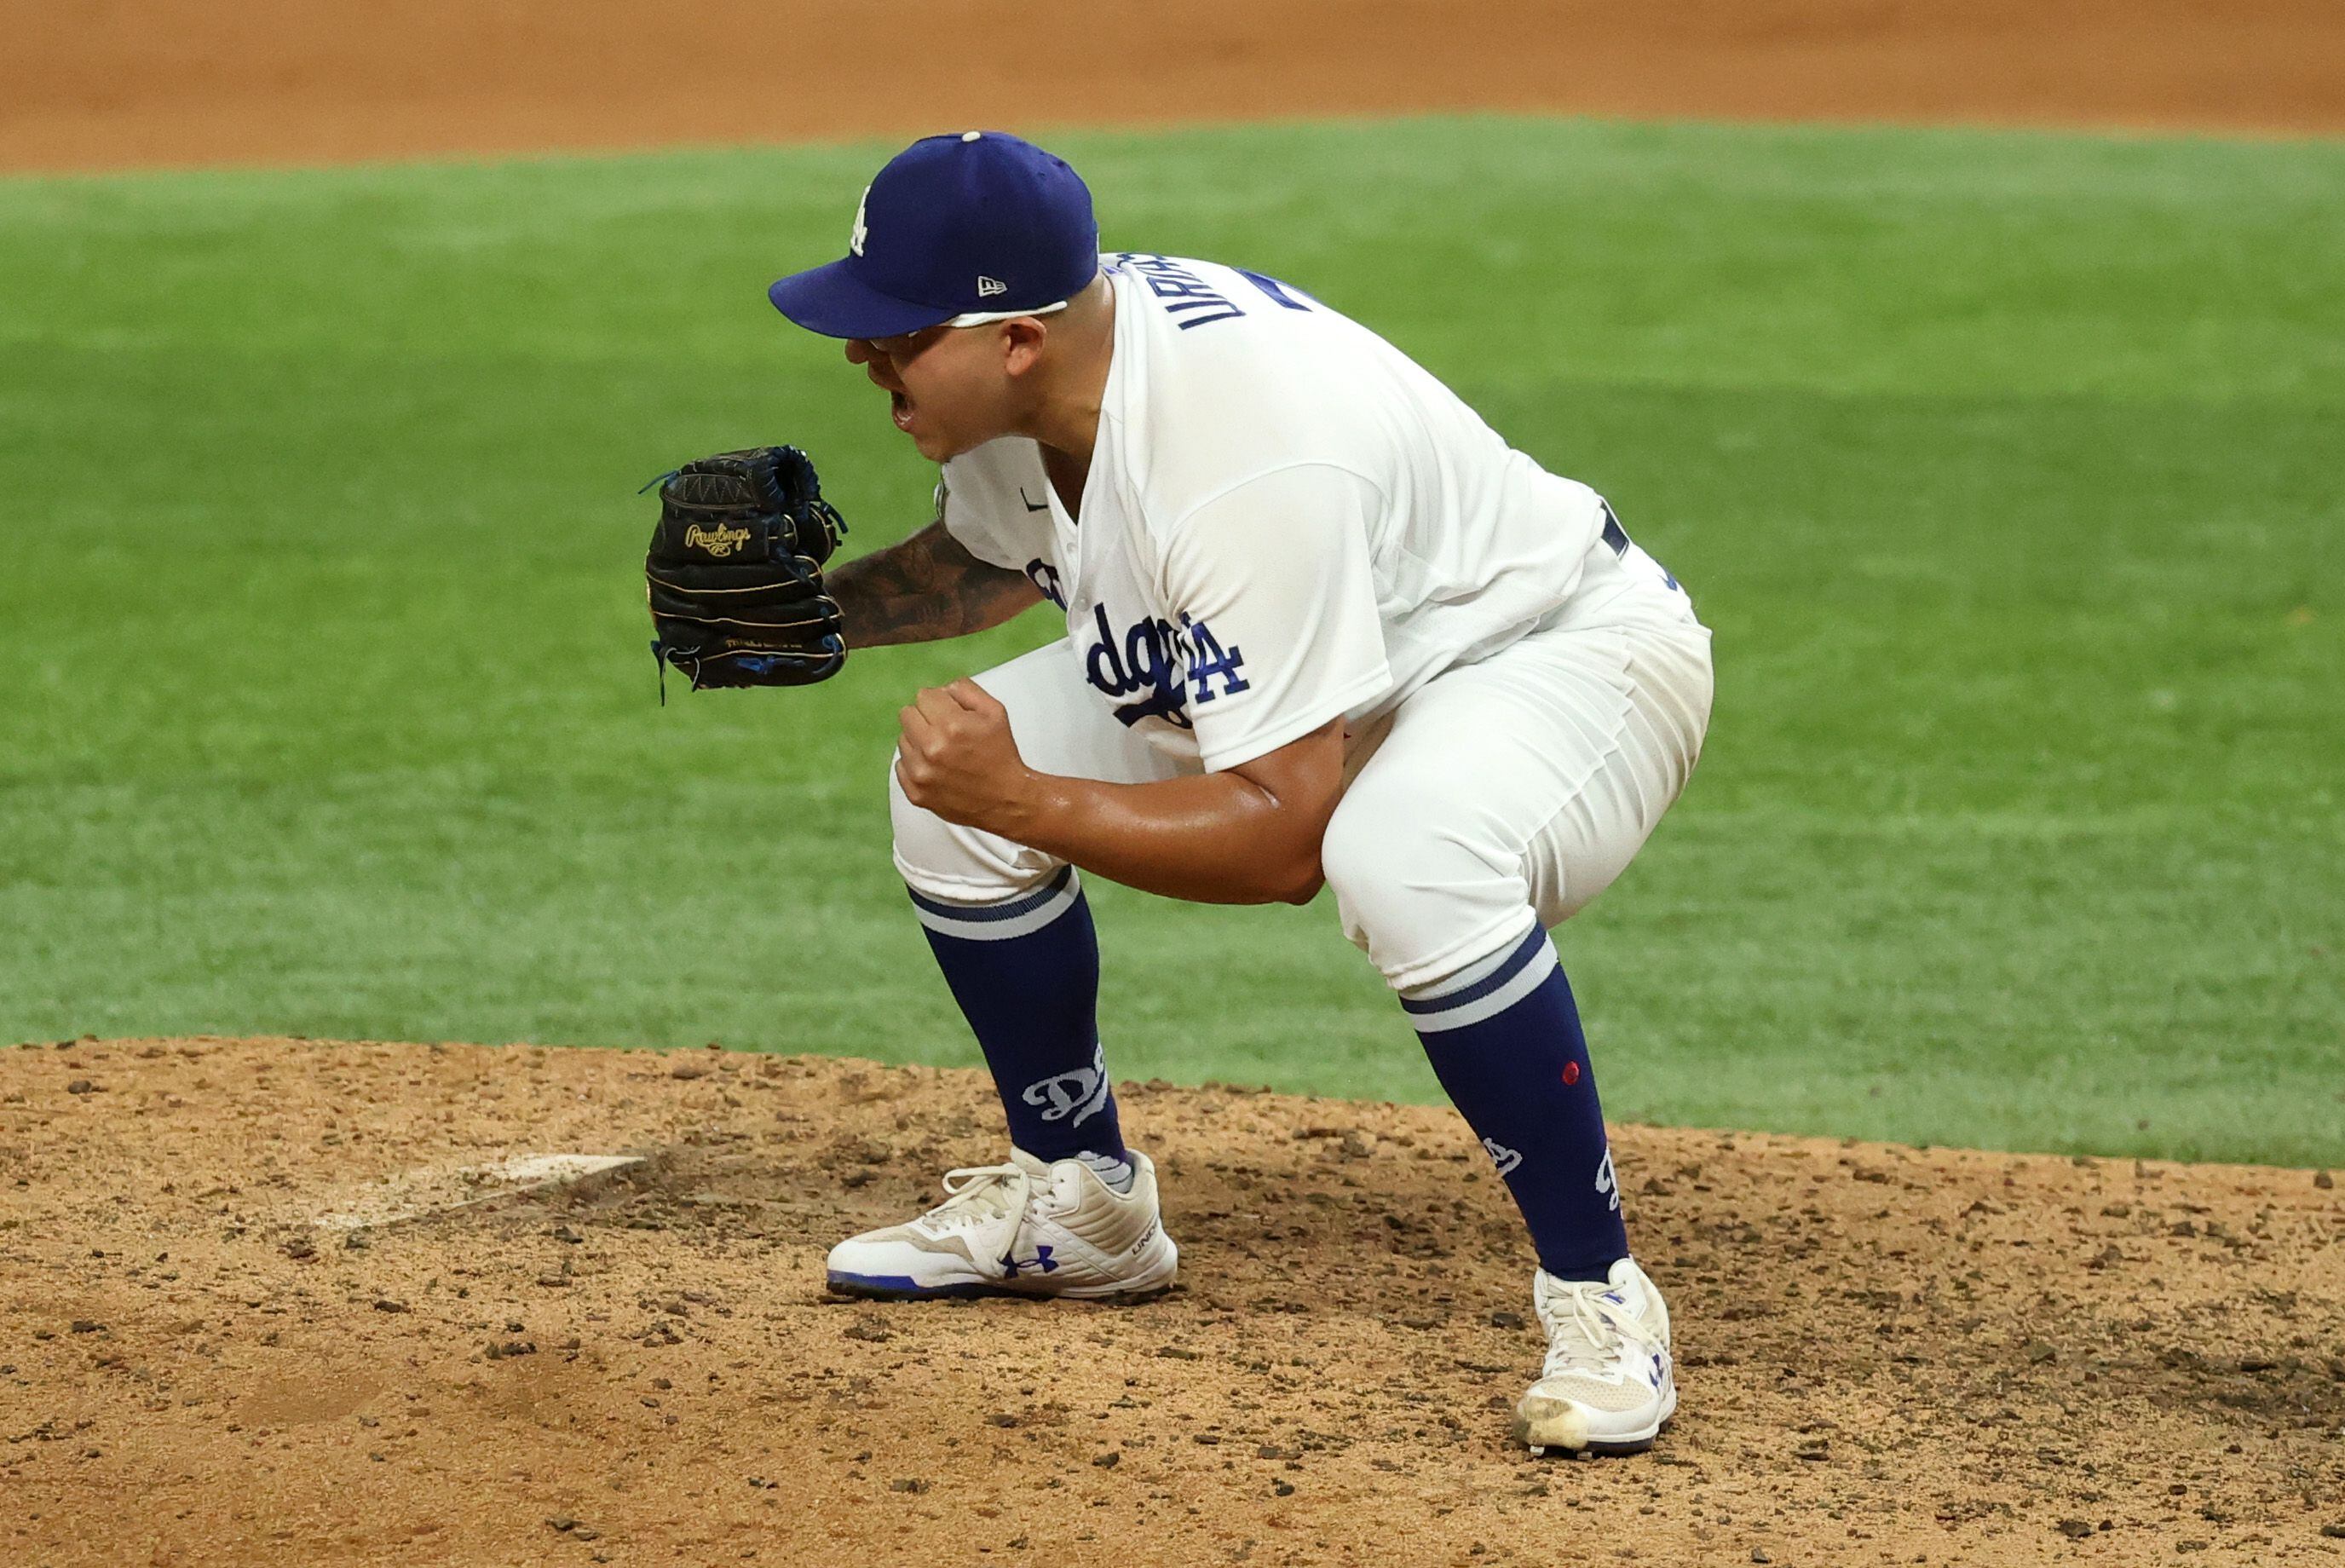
x: 1285, y: 519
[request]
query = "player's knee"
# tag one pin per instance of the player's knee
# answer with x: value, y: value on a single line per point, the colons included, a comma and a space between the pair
x: 1350, y: 858
x: 946, y: 860
x: 1412, y: 872
x: 1400, y: 825
x: 922, y: 838
x: 1379, y: 857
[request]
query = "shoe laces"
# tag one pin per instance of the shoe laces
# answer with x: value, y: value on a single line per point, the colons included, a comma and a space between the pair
x: 1589, y: 1326
x: 981, y: 1194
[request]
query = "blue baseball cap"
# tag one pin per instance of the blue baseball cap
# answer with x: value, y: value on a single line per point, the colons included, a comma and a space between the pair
x: 980, y: 224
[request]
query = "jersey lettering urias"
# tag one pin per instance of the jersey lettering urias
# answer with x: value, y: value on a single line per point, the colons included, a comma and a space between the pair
x: 1285, y: 519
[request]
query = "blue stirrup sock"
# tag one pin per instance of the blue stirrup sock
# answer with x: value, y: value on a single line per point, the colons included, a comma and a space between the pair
x: 1504, y: 1038
x: 1026, y: 973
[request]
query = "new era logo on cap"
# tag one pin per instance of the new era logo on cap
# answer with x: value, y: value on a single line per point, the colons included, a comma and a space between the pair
x: 978, y: 223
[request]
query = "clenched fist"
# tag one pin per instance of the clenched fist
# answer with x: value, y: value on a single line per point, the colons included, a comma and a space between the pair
x: 957, y: 759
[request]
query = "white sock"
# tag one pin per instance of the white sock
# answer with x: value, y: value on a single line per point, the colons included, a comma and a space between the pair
x: 1459, y: 979
x: 1113, y: 1169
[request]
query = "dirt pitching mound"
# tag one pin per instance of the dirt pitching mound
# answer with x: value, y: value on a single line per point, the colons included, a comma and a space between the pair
x: 257, y: 1311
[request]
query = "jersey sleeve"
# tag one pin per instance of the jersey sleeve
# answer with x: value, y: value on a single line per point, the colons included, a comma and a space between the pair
x: 980, y: 502
x: 1271, y: 593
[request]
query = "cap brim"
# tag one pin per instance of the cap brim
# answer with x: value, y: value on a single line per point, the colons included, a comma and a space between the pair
x: 831, y: 301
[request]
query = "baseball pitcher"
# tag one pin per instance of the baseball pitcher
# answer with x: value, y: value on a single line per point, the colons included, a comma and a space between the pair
x: 1325, y: 627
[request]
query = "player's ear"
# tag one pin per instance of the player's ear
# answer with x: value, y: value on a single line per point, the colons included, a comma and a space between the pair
x: 1021, y: 343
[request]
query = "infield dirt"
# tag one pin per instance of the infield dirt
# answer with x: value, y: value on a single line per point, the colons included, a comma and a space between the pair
x: 1888, y: 1355
x: 103, y: 84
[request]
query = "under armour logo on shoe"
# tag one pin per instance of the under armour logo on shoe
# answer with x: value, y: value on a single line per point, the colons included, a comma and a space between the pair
x: 1504, y: 1158
x: 1081, y: 1094
x: 1041, y: 1260
x: 989, y: 287
x: 1605, y: 1182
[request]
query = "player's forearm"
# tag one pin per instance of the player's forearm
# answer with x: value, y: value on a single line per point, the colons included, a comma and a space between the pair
x: 925, y: 588
x: 1213, y: 838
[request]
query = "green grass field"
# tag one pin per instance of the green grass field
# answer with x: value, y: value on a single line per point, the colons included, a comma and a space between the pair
x: 2006, y: 468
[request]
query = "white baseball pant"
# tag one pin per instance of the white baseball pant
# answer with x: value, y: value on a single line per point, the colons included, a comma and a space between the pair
x: 1512, y: 788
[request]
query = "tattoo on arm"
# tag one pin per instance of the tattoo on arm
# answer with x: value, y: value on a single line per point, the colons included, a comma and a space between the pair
x: 926, y: 588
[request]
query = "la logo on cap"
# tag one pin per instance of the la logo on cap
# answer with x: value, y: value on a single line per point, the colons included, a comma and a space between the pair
x: 861, y: 232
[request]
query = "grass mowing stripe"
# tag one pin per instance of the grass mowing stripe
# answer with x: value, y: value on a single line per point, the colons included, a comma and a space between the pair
x: 2001, y: 463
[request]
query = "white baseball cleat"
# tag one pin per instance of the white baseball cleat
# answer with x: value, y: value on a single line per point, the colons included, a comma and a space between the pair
x: 1023, y: 1228
x: 1608, y: 1385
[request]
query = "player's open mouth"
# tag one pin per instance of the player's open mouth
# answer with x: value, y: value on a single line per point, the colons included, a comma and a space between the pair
x: 901, y: 407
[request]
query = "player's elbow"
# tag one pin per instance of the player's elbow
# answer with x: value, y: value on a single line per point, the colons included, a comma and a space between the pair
x: 1299, y: 870
x: 1301, y: 879
x: 1305, y: 890
x: 1297, y: 785
x: 1287, y: 866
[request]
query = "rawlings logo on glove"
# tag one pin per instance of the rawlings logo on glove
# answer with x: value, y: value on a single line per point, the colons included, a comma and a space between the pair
x: 734, y: 575
x: 717, y: 542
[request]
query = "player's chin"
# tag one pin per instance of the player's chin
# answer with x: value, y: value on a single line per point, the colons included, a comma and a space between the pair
x: 936, y: 446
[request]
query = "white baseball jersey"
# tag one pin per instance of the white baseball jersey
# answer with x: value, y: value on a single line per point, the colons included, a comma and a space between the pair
x: 1285, y: 520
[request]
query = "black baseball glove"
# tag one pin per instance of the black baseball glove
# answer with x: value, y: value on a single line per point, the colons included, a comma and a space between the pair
x: 735, y: 572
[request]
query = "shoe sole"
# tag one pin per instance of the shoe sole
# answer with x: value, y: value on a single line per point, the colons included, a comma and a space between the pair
x: 1618, y: 1449
x: 904, y: 1287
x: 1565, y: 1433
